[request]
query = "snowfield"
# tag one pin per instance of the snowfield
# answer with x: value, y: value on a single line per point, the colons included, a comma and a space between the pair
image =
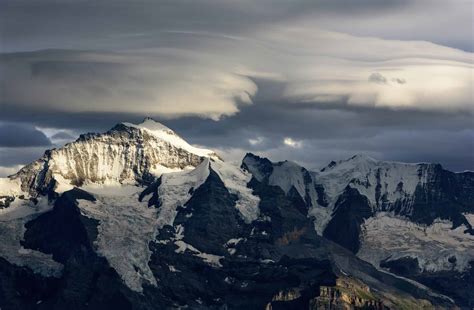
x: 175, y: 191
x: 10, y: 187
x: 126, y: 227
x: 386, y: 236
x: 235, y: 179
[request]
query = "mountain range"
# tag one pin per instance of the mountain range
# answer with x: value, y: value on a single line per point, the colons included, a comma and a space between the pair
x: 137, y: 218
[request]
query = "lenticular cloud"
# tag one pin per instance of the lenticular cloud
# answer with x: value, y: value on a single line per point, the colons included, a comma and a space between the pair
x: 216, y: 74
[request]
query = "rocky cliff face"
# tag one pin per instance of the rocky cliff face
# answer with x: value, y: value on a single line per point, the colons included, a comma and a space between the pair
x: 422, y: 192
x: 350, y: 294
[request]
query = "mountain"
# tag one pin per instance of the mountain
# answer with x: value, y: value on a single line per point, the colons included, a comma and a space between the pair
x: 126, y: 154
x: 414, y: 220
x: 136, y: 218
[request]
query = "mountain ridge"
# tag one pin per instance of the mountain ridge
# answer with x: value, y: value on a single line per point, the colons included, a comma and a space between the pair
x: 183, y: 229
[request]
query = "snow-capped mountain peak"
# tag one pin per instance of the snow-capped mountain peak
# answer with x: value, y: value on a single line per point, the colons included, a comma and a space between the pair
x: 361, y: 158
x: 164, y: 133
x: 126, y: 154
x: 150, y: 124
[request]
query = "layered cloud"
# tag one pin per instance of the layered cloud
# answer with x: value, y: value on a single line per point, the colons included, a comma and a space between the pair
x: 216, y: 75
x: 333, y: 67
x: 163, y: 81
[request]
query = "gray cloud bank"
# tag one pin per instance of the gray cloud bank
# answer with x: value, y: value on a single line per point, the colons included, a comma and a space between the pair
x: 90, y: 24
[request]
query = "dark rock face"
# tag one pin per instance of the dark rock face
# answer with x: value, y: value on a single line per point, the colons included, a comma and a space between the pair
x: 5, y: 201
x: 63, y: 230
x: 288, y: 215
x: 403, y: 266
x: 260, y: 167
x: 350, y: 211
x: 447, y: 195
x: 459, y: 286
x: 35, y: 178
x: 20, y: 288
x: 151, y: 190
x: 322, y: 197
x: 210, y: 218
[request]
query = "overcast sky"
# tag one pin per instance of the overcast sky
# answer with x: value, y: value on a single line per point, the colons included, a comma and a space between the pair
x: 305, y: 80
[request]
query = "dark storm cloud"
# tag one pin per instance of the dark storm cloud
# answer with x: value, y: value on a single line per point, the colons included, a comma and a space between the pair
x: 16, y: 135
x: 49, y: 23
x: 85, y: 24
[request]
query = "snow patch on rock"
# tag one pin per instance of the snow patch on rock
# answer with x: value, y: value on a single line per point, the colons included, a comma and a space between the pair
x: 176, y: 189
x: 321, y: 216
x: 286, y: 175
x: 253, y: 164
x: 236, y: 180
x: 159, y: 170
x: 211, y: 259
x: 62, y: 185
x: 10, y: 187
